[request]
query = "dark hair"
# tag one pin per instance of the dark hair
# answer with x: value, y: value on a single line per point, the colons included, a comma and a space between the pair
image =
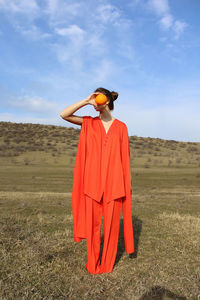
x: 112, y: 96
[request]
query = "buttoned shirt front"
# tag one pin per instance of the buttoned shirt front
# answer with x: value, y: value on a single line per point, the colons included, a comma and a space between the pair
x: 103, y: 166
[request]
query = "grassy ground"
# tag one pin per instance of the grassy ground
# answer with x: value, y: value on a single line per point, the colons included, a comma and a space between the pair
x: 39, y: 258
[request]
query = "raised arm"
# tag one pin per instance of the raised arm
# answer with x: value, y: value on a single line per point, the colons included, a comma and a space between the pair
x: 67, y: 113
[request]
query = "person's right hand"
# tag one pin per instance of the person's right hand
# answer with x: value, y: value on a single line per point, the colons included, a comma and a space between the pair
x: 91, y: 99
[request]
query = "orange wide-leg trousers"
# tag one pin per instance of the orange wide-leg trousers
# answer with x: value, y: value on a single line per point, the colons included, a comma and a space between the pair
x: 94, y: 212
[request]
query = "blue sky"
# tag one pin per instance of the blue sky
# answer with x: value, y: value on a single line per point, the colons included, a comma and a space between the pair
x: 54, y: 53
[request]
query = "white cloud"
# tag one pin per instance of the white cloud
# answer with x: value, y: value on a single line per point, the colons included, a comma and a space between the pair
x: 19, y: 6
x: 96, y: 45
x: 127, y: 51
x: 32, y: 32
x: 34, y: 104
x: 78, y: 44
x: 102, y: 70
x: 55, y: 7
x: 107, y: 13
x: 160, y: 7
x: 176, y: 117
x: 73, y: 44
x: 21, y: 15
x: 70, y: 52
x: 60, y: 12
x: 178, y: 121
x: 179, y: 27
x: 14, y: 118
x: 73, y: 31
x: 167, y: 20
x: 165, y: 122
x: 52, y: 6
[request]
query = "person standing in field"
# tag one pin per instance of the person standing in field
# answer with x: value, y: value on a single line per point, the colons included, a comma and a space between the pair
x: 101, y: 182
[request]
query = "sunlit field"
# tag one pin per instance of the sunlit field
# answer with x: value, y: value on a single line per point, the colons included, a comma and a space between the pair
x: 39, y: 258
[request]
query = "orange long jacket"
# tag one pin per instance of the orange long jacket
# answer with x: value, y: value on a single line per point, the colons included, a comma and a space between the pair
x: 102, y: 165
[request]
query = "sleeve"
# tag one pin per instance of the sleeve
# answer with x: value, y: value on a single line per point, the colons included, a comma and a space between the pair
x: 126, y: 203
x: 78, y: 199
x: 85, y: 120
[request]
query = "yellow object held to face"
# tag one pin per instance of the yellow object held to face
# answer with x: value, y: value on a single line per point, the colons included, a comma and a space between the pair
x: 100, y: 99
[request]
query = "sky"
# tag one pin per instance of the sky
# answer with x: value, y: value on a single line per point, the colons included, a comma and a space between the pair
x: 54, y: 53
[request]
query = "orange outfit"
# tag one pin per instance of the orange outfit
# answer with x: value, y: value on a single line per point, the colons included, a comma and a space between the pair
x: 102, y: 172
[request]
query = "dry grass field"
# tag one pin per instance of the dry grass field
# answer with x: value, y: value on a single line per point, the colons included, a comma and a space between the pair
x: 39, y: 258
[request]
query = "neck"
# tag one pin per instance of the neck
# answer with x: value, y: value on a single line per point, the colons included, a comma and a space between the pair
x: 105, y: 115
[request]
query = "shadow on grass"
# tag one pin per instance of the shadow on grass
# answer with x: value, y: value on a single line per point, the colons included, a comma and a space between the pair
x: 137, y: 227
x: 160, y: 293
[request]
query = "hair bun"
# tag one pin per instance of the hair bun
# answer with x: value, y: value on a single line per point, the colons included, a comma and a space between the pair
x: 114, y: 95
